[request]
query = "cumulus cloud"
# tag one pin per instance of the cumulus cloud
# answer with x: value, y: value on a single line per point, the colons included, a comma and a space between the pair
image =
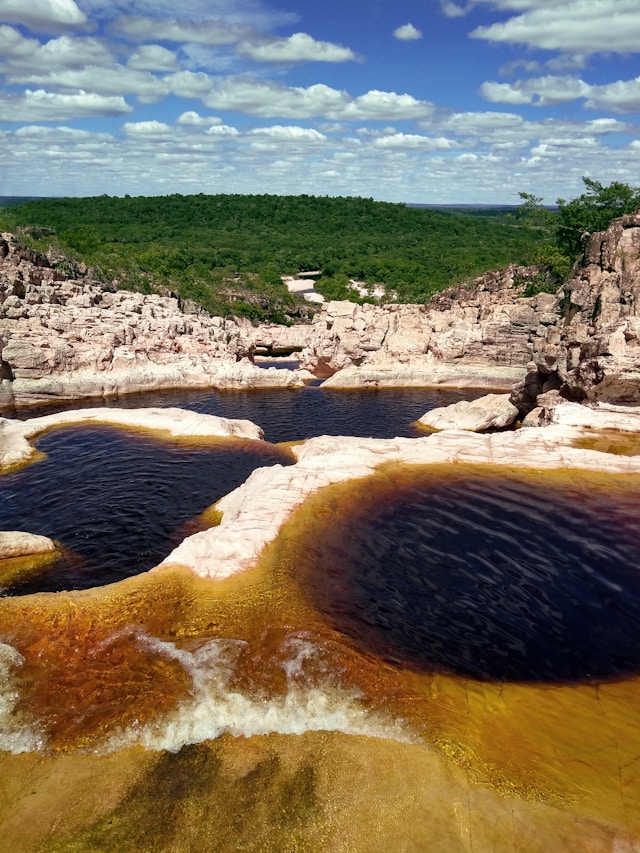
x: 407, y: 32
x: 268, y: 99
x: 153, y: 57
x: 620, y: 97
x: 415, y: 141
x: 113, y: 80
x: 194, y: 119
x: 290, y: 133
x: 62, y: 134
x: 22, y: 54
x: 540, y: 91
x: 300, y: 47
x: 146, y: 128
x: 40, y: 105
x: 221, y: 130
x: 570, y: 26
x: 42, y: 15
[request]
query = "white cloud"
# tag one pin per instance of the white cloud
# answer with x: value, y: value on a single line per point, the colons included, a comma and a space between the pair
x: 415, y: 142
x: 504, y: 93
x: 42, y: 15
x: 268, y: 99
x: 189, y: 84
x: 483, y: 122
x: 222, y: 130
x: 407, y: 32
x: 300, y: 47
x: 194, y: 119
x: 254, y: 14
x: 570, y: 26
x: 153, y: 57
x: 620, y: 97
x: 290, y: 133
x: 41, y: 105
x: 21, y: 54
x: 113, y: 80
x: 61, y: 134
x: 540, y: 91
x: 146, y: 128
x: 145, y: 29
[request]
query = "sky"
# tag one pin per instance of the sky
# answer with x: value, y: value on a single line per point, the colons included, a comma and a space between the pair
x: 418, y: 101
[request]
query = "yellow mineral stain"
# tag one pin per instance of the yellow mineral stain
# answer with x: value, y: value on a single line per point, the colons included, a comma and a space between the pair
x: 13, y: 570
x: 610, y: 441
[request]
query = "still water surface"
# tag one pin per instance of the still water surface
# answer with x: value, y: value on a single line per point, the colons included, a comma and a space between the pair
x: 119, y: 502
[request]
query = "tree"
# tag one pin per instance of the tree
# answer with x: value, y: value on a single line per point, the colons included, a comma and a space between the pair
x: 592, y: 211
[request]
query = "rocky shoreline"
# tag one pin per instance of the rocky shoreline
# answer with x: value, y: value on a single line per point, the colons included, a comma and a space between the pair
x: 67, y: 339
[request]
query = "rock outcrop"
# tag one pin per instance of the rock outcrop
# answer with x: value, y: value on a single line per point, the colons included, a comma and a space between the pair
x: 487, y: 323
x: 66, y: 338
x: 592, y: 352
x: 16, y: 448
x: 253, y: 514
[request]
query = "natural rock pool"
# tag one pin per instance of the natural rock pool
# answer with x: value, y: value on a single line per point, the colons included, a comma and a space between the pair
x: 432, y: 658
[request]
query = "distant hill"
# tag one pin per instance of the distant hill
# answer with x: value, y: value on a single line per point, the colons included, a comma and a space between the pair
x: 228, y: 252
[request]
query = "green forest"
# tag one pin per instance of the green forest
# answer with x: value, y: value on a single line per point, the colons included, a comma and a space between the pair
x: 228, y: 252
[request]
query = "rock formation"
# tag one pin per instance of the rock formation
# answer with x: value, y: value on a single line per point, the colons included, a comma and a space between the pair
x: 253, y: 514
x: 62, y: 338
x: 482, y: 334
x: 66, y: 338
x: 178, y: 424
x: 592, y: 351
x: 493, y: 411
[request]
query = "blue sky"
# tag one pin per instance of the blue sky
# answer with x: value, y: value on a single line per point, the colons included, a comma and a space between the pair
x: 424, y: 101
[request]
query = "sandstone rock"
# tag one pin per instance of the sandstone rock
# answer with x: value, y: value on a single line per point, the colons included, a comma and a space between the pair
x: 15, y: 436
x: 17, y: 543
x: 592, y: 352
x: 426, y: 374
x: 253, y: 514
x: 493, y: 411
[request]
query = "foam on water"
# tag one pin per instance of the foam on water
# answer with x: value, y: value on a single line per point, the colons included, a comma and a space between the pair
x: 16, y: 735
x: 216, y: 704
x: 215, y: 707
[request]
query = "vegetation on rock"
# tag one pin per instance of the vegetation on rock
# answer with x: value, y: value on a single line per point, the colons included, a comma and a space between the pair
x: 571, y: 225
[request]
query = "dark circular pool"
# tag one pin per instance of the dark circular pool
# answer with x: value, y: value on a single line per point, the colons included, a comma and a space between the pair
x: 499, y: 577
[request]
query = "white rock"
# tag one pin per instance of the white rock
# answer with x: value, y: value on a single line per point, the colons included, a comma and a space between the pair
x: 493, y: 411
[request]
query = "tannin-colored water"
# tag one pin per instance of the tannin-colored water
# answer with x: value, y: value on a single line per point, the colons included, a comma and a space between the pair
x: 438, y: 659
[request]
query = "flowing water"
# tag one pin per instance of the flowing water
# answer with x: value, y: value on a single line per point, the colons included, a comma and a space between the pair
x: 443, y: 658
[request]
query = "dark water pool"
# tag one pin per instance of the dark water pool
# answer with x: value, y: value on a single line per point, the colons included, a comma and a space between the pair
x: 496, y: 578
x: 296, y: 414
x: 118, y: 501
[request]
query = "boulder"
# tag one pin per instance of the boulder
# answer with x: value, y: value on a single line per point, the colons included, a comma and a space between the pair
x: 493, y: 411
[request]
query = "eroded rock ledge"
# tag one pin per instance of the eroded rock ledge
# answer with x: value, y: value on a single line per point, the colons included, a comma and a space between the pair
x: 253, y: 514
x: 16, y: 436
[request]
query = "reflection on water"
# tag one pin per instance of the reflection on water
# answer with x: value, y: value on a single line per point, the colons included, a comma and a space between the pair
x: 119, y: 502
x: 485, y: 576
